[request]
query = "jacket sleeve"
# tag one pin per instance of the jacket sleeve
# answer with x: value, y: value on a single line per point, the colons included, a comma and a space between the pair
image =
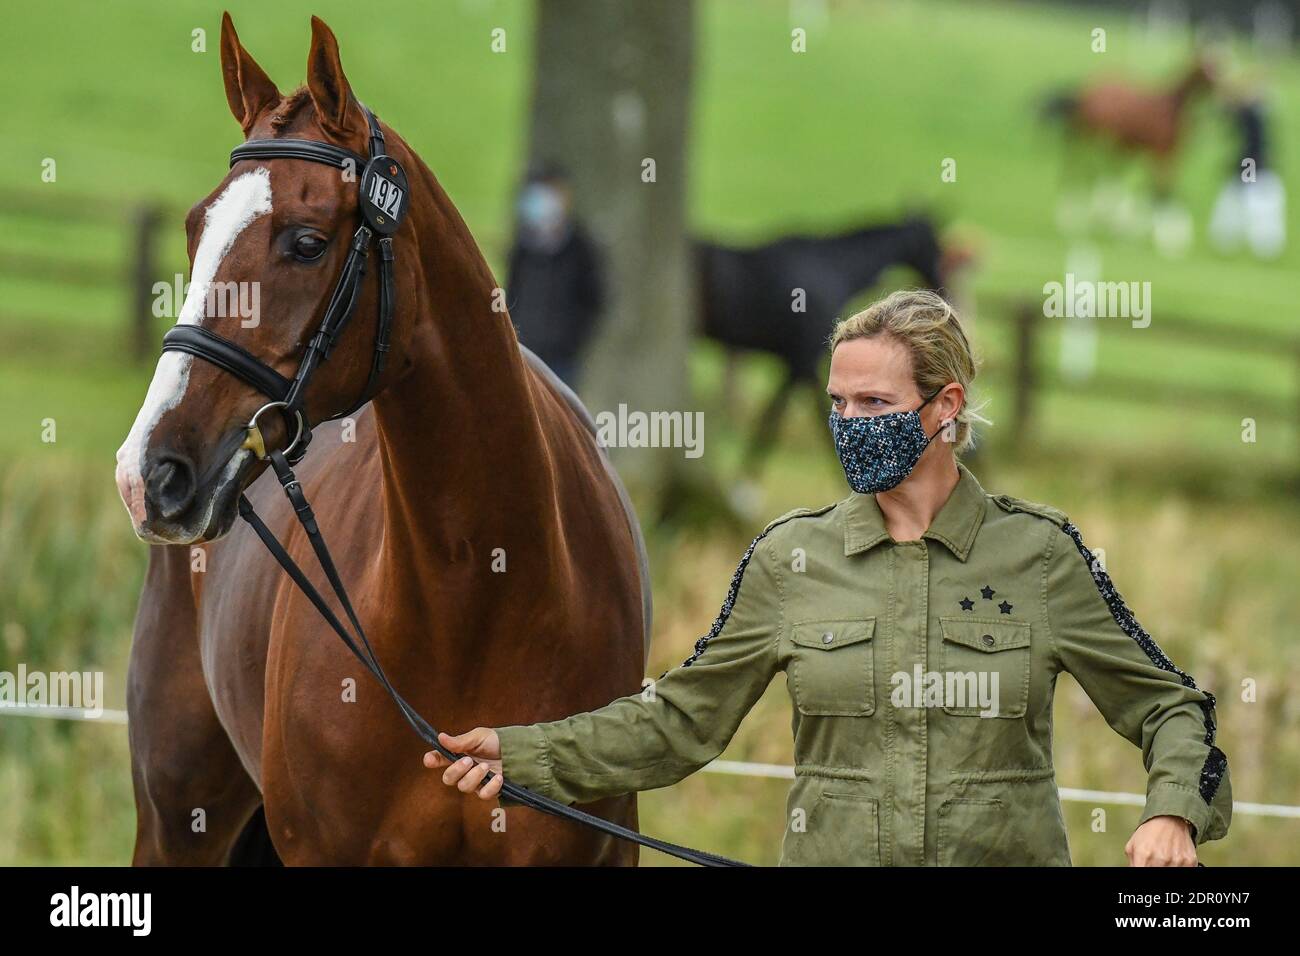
x: 1143, y: 696
x: 675, y: 725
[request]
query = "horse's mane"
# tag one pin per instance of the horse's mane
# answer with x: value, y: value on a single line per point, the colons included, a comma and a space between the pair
x: 289, y: 108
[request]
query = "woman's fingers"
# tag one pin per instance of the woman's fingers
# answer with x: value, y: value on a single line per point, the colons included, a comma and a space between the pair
x: 455, y: 771
x: 481, y: 755
x: 436, y: 761
x: 480, y: 742
x: 467, y: 776
x: 490, y: 789
x: 472, y: 778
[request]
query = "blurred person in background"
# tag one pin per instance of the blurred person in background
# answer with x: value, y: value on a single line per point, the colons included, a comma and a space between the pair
x: 1251, y: 206
x: 919, y: 574
x: 554, y: 286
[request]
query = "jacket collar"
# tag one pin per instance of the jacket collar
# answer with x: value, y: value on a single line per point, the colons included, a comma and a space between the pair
x: 954, y: 526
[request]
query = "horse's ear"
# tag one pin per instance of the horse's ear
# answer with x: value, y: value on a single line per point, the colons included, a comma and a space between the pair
x: 248, y: 89
x: 330, y: 91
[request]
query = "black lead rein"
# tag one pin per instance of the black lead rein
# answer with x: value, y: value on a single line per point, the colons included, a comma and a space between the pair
x: 368, y: 660
x: 383, y: 202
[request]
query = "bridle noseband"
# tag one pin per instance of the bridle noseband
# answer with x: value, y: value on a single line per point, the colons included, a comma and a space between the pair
x: 383, y: 199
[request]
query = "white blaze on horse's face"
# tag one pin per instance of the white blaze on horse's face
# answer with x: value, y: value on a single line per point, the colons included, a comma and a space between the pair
x: 242, y: 201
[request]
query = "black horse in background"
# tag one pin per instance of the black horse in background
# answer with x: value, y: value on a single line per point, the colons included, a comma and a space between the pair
x: 784, y: 298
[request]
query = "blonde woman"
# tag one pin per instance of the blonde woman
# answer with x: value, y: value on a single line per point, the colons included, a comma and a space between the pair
x: 921, y: 631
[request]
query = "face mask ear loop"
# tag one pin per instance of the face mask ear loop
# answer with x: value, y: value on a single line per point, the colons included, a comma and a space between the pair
x: 930, y: 438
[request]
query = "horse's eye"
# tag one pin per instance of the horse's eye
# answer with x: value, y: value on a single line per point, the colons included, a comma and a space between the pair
x: 309, y: 247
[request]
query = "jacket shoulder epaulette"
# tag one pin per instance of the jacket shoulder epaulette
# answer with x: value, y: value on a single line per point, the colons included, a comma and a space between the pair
x: 1012, y: 505
x: 798, y: 513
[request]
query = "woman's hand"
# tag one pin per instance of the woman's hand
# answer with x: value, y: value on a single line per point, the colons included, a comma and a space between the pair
x: 1162, y: 841
x: 482, y: 749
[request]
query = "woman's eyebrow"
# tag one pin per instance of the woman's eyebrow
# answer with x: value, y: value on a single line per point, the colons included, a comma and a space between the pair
x: 874, y: 393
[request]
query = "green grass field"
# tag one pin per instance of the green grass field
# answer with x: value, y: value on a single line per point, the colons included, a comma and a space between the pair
x: 1200, y: 528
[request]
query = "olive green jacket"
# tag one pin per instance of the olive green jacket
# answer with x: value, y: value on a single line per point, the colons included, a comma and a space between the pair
x: 904, y: 754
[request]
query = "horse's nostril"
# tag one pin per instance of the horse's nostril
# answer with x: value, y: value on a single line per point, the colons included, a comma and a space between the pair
x: 169, y: 486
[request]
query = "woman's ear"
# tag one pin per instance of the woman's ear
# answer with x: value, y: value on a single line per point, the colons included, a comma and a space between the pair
x: 951, y: 401
x: 249, y: 91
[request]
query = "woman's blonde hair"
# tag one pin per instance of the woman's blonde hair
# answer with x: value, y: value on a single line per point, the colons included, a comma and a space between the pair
x: 929, y: 328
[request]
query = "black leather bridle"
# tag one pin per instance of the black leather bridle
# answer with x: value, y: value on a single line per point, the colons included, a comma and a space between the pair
x: 384, y: 199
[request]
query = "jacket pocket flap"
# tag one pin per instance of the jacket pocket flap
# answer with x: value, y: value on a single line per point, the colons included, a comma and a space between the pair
x: 829, y: 635
x: 982, y: 635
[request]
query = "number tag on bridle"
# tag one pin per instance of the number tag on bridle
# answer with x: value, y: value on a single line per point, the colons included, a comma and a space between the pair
x: 384, y: 195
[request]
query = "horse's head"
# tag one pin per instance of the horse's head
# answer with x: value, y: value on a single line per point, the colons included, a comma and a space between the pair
x: 940, y: 261
x: 266, y: 249
x: 1201, y: 76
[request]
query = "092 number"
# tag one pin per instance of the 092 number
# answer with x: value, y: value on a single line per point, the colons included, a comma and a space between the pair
x: 386, y: 196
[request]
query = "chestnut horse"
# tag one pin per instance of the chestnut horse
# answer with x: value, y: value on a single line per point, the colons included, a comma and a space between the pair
x: 1139, y: 121
x: 486, y: 542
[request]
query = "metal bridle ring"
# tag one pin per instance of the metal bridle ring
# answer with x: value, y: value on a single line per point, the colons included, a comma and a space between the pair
x: 252, y: 427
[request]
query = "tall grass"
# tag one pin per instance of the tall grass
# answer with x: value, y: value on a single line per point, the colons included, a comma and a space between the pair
x: 70, y: 572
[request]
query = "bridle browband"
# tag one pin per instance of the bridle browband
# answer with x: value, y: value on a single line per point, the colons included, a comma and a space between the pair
x: 383, y: 199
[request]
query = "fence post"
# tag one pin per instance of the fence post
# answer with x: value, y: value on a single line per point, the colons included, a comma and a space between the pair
x: 1027, y: 320
x: 144, y: 222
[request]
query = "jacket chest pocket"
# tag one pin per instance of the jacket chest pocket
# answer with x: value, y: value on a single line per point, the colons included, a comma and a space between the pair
x: 985, y: 664
x: 832, y: 668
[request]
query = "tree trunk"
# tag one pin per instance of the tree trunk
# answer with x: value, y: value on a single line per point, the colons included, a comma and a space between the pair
x: 611, y: 96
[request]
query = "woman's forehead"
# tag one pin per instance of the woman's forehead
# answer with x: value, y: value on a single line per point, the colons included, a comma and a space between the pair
x: 880, y: 362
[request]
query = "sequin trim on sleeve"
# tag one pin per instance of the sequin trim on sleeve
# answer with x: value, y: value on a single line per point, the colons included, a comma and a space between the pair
x: 733, y: 590
x: 1216, y: 762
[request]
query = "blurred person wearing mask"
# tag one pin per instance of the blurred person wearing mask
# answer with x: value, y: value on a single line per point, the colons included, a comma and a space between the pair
x: 918, y: 573
x: 554, y: 287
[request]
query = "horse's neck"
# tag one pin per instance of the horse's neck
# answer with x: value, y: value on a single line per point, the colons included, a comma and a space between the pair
x: 1186, y: 88
x: 864, y: 254
x: 459, y: 431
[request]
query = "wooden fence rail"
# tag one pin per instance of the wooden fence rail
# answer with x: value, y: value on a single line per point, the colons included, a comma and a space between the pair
x: 138, y: 224
x: 1029, y: 381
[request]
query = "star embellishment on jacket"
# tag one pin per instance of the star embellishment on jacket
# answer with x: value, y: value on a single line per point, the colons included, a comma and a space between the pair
x: 1004, y: 607
x: 987, y: 592
x: 966, y: 604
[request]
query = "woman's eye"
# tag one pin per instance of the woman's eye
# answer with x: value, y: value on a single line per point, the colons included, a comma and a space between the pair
x: 309, y: 247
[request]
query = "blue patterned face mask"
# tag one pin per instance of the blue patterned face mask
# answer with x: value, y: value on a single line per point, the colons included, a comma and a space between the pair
x: 879, y: 451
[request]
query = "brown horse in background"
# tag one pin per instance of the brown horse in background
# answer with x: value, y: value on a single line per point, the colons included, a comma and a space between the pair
x: 1138, y: 121
x: 484, y: 537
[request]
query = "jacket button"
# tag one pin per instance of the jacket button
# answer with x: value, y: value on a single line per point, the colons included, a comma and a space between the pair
x: 828, y: 637
x: 988, y: 640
